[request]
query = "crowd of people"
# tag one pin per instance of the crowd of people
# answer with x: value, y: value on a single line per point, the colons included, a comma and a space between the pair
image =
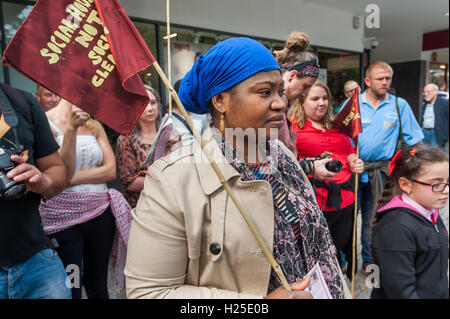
x: 174, y: 229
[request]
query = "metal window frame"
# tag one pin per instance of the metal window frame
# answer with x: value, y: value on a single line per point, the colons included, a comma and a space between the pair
x: 3, y: 43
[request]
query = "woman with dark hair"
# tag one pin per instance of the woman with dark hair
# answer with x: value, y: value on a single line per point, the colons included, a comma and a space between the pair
x: 132, y: 150
x: 410, y: 240
x: 311, y: 118
x: 188, y: 240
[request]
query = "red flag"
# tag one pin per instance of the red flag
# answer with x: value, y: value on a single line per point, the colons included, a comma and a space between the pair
x: 89, y: 53
x: 348, y: 120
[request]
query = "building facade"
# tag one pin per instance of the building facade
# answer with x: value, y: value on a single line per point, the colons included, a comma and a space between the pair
x: 340, y: 59
x: 337, y: 31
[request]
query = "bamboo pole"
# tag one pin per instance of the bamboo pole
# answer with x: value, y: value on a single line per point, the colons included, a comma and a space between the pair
x: 354, y: 225
x: 222, y: 180
x: 169, y: 57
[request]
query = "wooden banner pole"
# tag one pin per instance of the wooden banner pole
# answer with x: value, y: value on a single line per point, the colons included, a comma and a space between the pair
x: 354, y: 226
x: 169, y: 57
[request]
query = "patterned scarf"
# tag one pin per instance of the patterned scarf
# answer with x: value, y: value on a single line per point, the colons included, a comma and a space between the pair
x: 301, y: 237
x: 307, y: 68
x: 68, y: 209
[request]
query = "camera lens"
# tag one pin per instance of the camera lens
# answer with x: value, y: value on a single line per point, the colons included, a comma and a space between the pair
x: 10, y: 189
x: 15, y: 192
x: 5, y: 182
x: 334, y: 166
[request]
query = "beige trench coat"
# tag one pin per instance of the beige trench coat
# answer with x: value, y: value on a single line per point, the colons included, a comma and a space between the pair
x: 187, y: 238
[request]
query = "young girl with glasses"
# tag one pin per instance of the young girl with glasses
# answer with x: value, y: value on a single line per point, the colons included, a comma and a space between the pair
x: 410, y: 241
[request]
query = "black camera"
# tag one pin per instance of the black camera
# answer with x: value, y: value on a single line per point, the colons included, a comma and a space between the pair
x: 9, y: 189
x: 334, y: 166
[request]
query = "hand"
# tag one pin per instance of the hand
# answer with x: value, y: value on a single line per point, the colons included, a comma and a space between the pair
x: 321, y: 172
x: 296, y: 293
x: 137, y: 185
x: 357, y: 166
x: 77, y: 117
x: 29, y: 174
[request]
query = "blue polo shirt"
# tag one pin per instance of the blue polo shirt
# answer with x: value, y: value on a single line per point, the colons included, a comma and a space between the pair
x: 380, y: 129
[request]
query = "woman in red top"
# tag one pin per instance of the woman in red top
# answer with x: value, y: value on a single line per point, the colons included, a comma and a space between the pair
x: 311, y: 118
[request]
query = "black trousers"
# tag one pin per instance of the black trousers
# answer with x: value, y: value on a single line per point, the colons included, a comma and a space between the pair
x: 340, y: 224
x: 88, y: 246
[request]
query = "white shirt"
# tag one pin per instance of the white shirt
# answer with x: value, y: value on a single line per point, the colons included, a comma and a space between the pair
x: 89, y: 155
x: 428, y: 116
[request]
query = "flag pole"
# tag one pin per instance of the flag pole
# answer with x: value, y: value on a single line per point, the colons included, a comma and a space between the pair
x: 169, y: 58
x: 355, y: 225
x: 223, y: 181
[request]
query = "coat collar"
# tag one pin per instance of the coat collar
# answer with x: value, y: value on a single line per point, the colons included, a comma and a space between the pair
x: 208, y: 178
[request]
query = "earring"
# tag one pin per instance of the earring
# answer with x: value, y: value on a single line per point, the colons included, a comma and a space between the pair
x: 222, y: 123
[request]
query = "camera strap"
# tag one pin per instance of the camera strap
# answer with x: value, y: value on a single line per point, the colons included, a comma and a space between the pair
x: 10, y: 117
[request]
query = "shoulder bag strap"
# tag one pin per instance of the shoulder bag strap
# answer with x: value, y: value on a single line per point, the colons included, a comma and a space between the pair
x: 403, y: 145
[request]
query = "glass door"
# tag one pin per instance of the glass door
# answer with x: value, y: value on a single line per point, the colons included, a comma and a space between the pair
x: 13, y: 16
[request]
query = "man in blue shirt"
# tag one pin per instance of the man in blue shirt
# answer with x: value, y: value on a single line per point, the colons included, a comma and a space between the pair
x: 378, y: 140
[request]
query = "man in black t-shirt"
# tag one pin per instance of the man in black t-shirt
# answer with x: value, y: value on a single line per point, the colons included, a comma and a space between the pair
x: 29, y: 266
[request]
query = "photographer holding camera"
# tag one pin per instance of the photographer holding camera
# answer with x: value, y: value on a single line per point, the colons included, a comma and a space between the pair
x: 316, y: 139
x: 30, y: 168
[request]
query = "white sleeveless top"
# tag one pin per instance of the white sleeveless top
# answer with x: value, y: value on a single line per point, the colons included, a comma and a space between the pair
x: 89, y: 155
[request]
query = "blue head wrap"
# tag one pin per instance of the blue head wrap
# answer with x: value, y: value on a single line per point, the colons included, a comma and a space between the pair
x: 228, y: 63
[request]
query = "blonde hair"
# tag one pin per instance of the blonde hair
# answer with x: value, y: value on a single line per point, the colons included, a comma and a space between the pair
x: 92, y: 125
x: 296, y: 49
x: 297, y: 111
x: 378, y: 64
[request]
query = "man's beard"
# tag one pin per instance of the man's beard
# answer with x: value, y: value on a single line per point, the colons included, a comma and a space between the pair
x: 380, y: 92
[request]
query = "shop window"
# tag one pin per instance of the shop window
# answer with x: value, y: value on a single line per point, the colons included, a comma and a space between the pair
x: 185, y: 47
x: 13, y: 16
x: 438, y: 73
x: 188, y: 44
x: 148, y: 33
x: 338, y: 67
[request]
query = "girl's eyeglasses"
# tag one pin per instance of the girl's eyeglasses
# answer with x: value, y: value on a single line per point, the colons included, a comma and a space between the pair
x: 436, y: 188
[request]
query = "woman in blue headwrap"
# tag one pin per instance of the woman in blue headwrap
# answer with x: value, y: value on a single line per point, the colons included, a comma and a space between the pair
x: 188, y: 240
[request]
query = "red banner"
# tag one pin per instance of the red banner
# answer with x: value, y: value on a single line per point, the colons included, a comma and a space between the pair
x: 348, y: 120
x: 89, y: 53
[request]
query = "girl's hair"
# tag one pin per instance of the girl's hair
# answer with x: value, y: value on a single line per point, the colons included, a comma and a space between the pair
x: 409, y: 165
x: 297, y: 111
x: 296, y: 49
